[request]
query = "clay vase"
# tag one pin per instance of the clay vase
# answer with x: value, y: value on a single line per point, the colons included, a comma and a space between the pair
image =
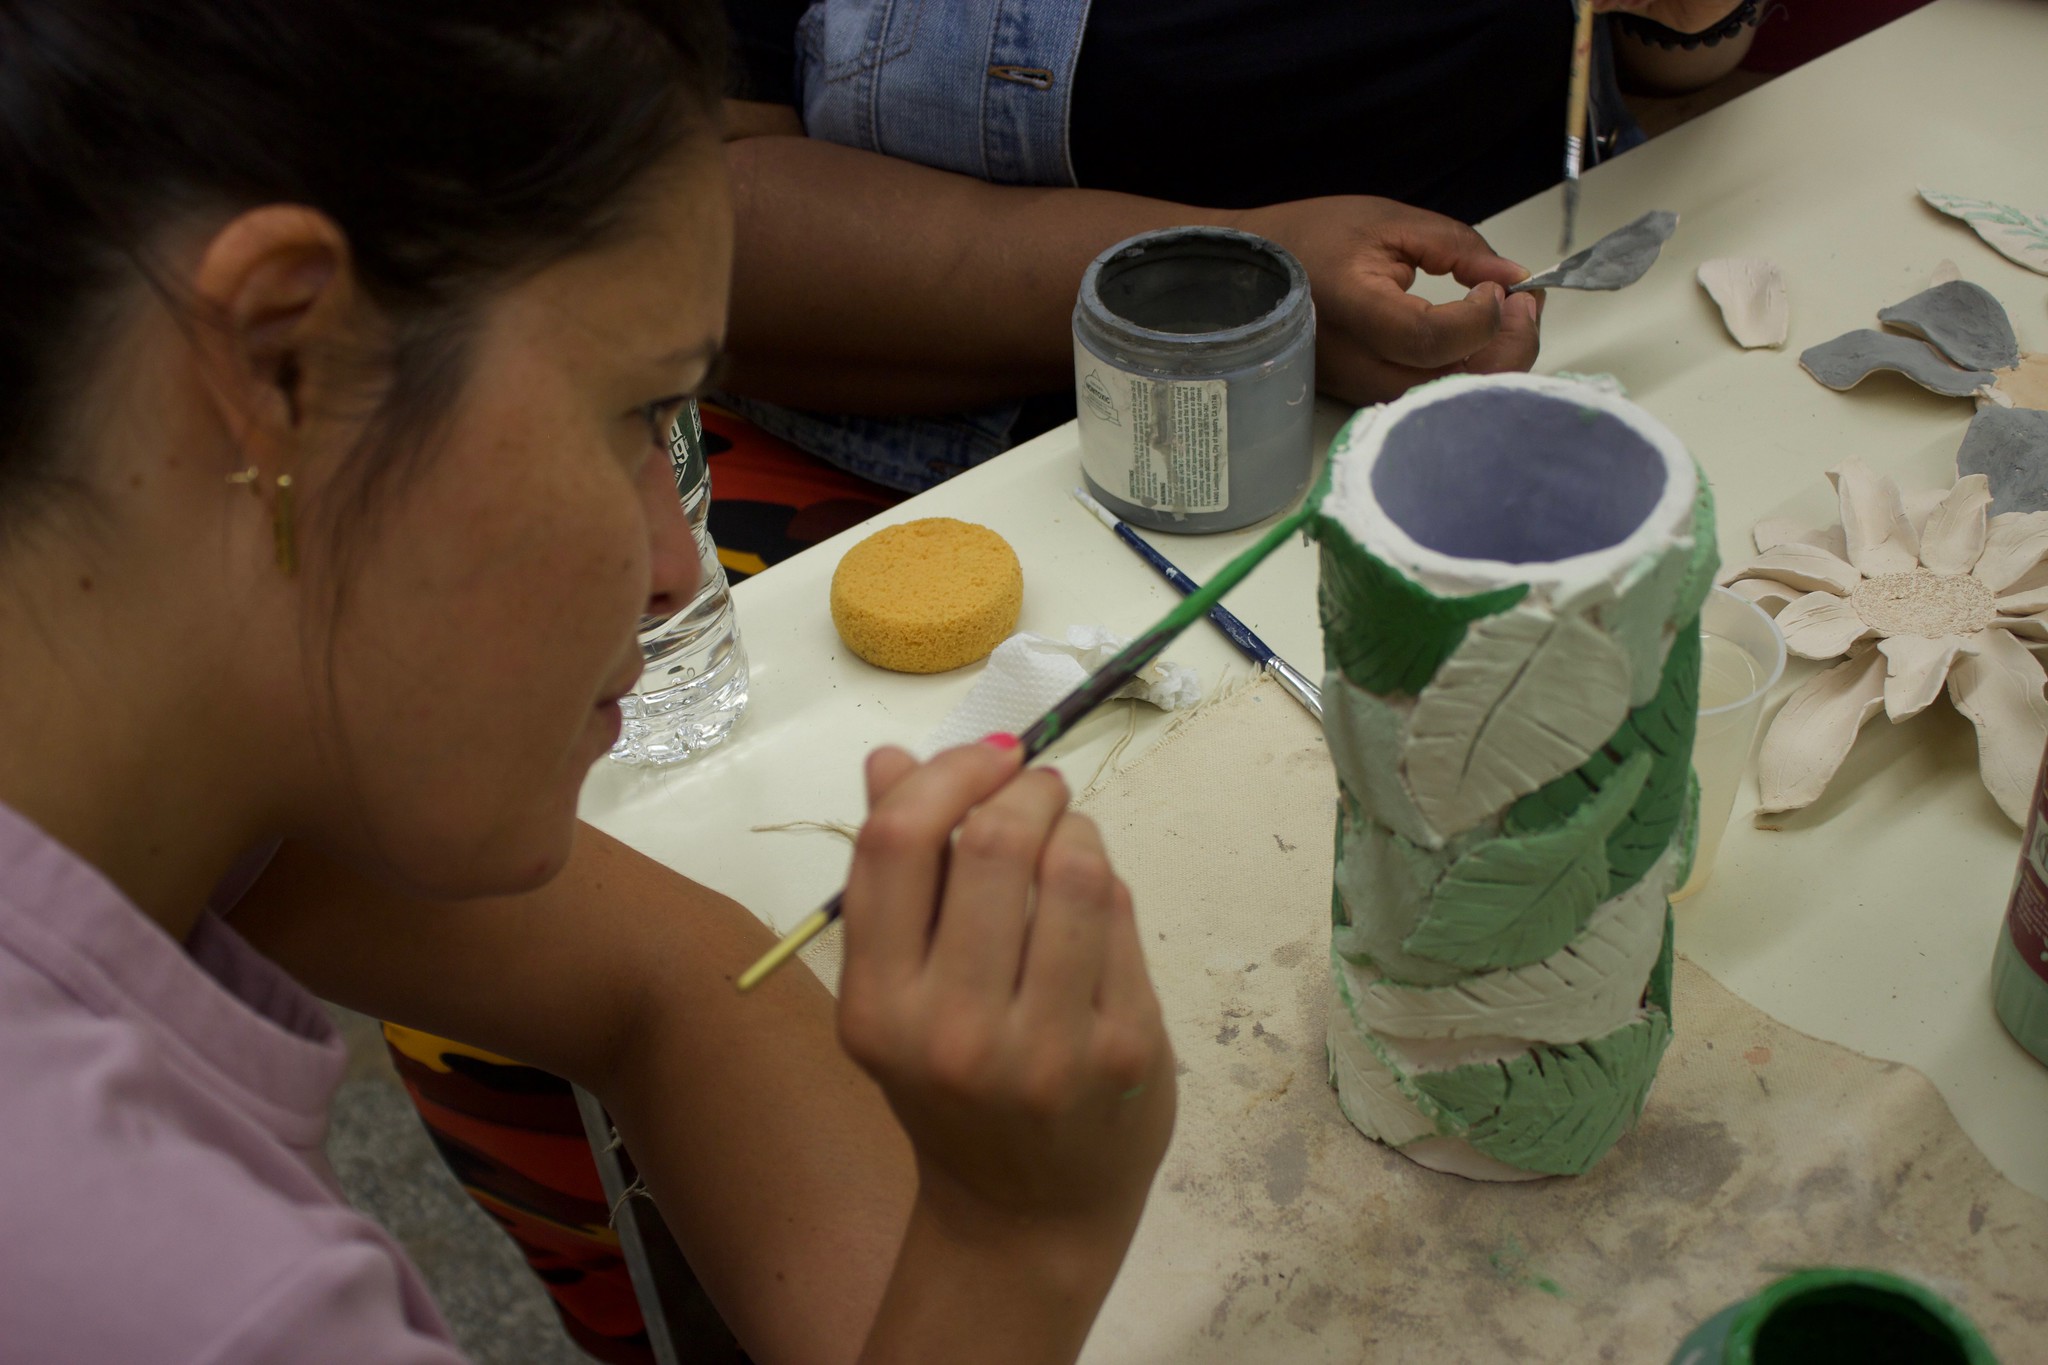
x: 1837, y: 1317
x: 1511, y: 575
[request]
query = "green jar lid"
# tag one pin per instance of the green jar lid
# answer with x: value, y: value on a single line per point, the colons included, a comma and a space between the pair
x: 1838, y: 1317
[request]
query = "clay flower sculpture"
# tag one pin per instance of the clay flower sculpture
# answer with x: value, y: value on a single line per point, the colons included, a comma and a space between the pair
x: 1958, y: 341
x: 1910, y: 592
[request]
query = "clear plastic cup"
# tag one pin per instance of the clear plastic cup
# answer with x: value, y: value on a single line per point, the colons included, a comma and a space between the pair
x: 1742, y: 656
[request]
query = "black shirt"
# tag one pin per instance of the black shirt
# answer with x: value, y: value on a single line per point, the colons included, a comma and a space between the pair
x: 1451, y: 105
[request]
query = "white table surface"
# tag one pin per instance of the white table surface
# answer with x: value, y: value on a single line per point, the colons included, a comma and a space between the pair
x: 1869, y: 919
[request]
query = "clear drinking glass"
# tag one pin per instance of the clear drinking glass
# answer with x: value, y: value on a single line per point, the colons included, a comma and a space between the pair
x: 695, y: 684
x: 1742, y: 656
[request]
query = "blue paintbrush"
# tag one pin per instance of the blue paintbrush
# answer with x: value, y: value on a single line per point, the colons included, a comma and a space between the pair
x: 1257, y: 650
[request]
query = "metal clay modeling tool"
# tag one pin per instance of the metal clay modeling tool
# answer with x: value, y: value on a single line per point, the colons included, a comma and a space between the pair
x: 1068, y: 712
x: 1258, y: 651
x: 1616, y: 261
x: 1575, y: 120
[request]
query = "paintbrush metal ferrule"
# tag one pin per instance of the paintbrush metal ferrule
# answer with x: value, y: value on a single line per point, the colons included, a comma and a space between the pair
x: 1571, y: 211
x: 1236, y: 631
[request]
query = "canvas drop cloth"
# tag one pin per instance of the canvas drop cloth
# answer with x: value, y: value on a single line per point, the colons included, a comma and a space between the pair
x: 1277, y: 1233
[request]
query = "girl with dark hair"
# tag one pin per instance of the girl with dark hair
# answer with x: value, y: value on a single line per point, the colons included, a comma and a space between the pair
x: 341, y: 338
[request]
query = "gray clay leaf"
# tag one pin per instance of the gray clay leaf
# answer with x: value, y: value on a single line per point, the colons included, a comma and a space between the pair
x: 1616, y: 261
x: 2009, y: 447
x: 1853, y: 357
x: 1963, y: 321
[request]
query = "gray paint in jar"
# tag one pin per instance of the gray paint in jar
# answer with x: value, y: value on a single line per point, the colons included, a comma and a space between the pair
x: 1194, y: 378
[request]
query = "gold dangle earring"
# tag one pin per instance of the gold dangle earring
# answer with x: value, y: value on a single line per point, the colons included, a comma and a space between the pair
x: 282, y: 511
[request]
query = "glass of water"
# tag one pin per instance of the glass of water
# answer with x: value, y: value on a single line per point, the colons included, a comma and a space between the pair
x: 1742, y: 656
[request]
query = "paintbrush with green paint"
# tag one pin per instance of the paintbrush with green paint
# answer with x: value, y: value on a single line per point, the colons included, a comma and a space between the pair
x: 1068, y: 712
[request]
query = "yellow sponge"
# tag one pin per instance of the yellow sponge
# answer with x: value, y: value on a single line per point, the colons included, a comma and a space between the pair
x: 927, y: 596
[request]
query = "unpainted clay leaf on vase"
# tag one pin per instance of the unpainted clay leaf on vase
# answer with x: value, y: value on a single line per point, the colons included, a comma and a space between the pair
x: 1367, y: 1091
x: 1382, y: 884
x: 1382, y: 630
x: 1750, y: 292
x: 1962, y: 321
x: 1997, y: 684
x: 1527, y: 697
x: 1366, y: 737
x: 2015, y: 234
x: 1663, y: 729
x: 1586, y: 988
x: 1853, y: 357
x: 1813, y: 731
x: 2009, y: 447
x: 1553, y: 1109
x: 1639, y: 616
x: 1704, y: 565
x: 1517, y: 899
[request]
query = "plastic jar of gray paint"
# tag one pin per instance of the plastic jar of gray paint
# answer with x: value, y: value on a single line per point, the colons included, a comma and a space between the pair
x: 1194, y: 378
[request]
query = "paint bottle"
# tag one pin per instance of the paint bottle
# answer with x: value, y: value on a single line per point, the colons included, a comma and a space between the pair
x: 1194, y: 378
x: 2019, y: 966
x: 1834, y: 1317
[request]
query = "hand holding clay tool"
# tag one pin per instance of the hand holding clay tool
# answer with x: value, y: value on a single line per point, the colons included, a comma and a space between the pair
x: 1258, y: 651
x: 1575, y: 119
x: 1100, y: 686
x: 1616, y: 261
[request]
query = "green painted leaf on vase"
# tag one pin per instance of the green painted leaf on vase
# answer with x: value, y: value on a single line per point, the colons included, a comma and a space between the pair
x: 1381, y: 630
x: 1519, y: 898
x: 1662, y: 729
x: 1552, y: 1109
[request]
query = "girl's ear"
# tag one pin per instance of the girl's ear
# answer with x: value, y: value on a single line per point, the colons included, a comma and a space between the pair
x: 276, y: 313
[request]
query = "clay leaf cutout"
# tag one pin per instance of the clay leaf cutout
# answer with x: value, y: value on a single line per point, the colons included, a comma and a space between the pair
x: 2015, y: 234
x: 1962, y: 321
x: 1526, y: 698
x: 1586, y: 988
x: 1368, y: 1093
x: 1383, y: 631
x: 1853, y: 357
x: 1553, y: 1109
x: 1813, y: 731
x: 1616, y: 261
x: 1750, y: 292
x: 1662, y: 729
x: 1363, y: 731
x: 1516, y: 900
x: 1997, y: 684
x: 2009, y: 446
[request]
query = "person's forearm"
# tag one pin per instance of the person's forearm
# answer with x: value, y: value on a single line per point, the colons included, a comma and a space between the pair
x: 993, y: 1295
x: 775, y: 1160
x: 863, y: 283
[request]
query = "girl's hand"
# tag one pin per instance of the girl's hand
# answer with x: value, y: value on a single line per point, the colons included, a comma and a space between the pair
x: 995, y: 987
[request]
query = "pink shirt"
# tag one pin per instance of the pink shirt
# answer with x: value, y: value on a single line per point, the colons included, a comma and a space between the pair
x: 163, y: 1193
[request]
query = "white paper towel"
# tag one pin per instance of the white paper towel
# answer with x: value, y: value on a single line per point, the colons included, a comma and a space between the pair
x: 1028, y: 673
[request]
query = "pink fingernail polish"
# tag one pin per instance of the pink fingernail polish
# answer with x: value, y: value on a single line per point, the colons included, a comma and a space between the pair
x: 1000, y: 741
